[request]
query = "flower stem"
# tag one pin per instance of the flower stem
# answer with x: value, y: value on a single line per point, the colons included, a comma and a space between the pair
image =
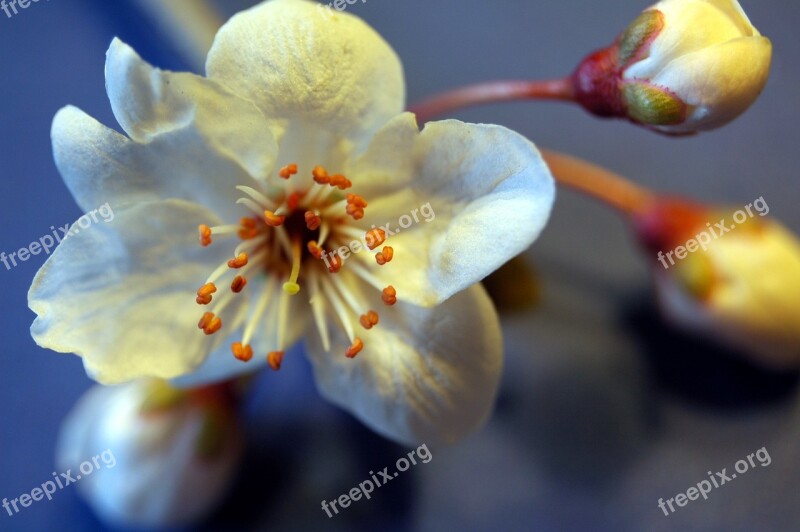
x: 492, y: 92
x: 599, y: 183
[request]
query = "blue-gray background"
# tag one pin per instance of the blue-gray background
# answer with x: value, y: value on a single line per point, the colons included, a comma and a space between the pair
x: 603, y: 409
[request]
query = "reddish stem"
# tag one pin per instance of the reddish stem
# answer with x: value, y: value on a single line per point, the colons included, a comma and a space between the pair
x: 599, y: 183
x: 493, y: 92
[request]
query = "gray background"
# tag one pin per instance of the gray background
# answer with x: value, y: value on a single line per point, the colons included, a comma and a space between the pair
x: 603, y: 408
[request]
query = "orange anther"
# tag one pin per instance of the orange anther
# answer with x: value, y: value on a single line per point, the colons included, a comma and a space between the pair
x: 369, y: 320
x: 314, y: 249
x: 358, y: 201
x: 335, y: 263
x: 238, y: 262
x: 340, y: 181
x: 205, y: 235
x: 209, y: 323
x: 320, y: 175
x: 242, y: 352
x: 354, y: 349
x: 389, y: 295
x: 248, y: 222
x: 204, y: 293
x: 248, y: 229
x: 355, y: 211
x: 272, y: 219
x: 248, y: 234
x: 288, y: 171
x: 313, y: 221
x: 275, y: 359
x: 375, y: 238
x: 293, y: 200
x: 238, y: 284
x: 205, y: 320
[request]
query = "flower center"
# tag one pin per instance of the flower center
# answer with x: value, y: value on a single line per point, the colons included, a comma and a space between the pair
x: 293, y: 237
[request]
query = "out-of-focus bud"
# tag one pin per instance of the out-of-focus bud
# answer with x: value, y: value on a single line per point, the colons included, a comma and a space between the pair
x: 174, y: 452
x: 729, y: 275
x: 681, y: 67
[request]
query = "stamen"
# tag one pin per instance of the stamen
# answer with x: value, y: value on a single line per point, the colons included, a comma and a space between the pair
x: 341, y: 182
x: 288, y: 171
x: 204, y: 293
x: 273, y: 220
x: 318, y: 310
x: 338, y: 307
x: 355, y: 206
x: 283, y: 319
x: 314, y: 249
x: 291, y: 287
x: 210, y: 323
x: 369, y: 320
x: 294, y: 200
x: 205, y: 235
x: 389, y: 295
x: 238, y: 284
x: 238, y: 262
x: 248, y: 228
x: 354, y: 349
x: 384, y: 256
x: 313, y: 221
x: 261, y: 307
x: 242, y: 352
x: 320, y: 175
x: 324, y: 231
x: 335, y: 263
x: 375, y: 238
x: 275, y: 359
x: 260, y: 198
x: 257, y: 209
x: 366, y: 275
x: 335, y: 208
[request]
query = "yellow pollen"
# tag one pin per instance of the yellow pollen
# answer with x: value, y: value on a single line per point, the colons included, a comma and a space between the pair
x: 288, y: 171
x: 272, y: 219
x: 205, y: 235
x: 354, y: 349
x: 238, y: 284
x: 375, y: 238
x: 275, y: 359
x: 242, y: 352
x: 291, y: 287
x: 389, y: 295
x: 238, y: 262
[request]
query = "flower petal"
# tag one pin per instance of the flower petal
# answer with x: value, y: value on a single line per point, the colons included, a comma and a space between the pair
x: 423, y: 375
x: 150, y: 103
x: 472, y: 198
x: 100, y: 166
x: 121, y: 294
x: 717, y: 82
x: 299, y: 61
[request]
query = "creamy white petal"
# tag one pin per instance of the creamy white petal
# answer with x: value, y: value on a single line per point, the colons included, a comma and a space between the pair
x: 424, y: 375
x: 121, y: 294
x: 297, y: 62
x: 99, y: 165
x: 472, y: 196
x: 717, y: 82
x: 188, y: 110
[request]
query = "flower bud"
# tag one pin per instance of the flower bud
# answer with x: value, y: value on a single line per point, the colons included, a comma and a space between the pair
x: 681, y: 67
x: 175, y: 452
x: 739, y: 285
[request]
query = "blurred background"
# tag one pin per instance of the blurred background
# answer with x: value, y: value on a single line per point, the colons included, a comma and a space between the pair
x: 603, y: 408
